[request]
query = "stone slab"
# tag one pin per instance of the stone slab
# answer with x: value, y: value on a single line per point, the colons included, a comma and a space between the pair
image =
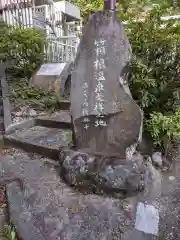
x: 52, y: 77
x: 60, y: 119
x: 43, y: 140
x: 20, y: 125
x: 38, y: 135
x: 64, y: 105
x: 63, y: 116
x: 51, y: 69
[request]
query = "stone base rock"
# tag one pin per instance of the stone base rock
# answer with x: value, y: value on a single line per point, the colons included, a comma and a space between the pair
x: 44, y: 207
x: 127, y: 177
x: 111, y: 175
x: 75, y: 165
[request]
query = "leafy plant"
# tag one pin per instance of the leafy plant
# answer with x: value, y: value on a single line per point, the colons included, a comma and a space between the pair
x: 164, y: 129
x: 154, y: 80
x: 22, y: 47
x: 22, y: 93
x: 126, y: 9
x: 10, y: 232
x: 156, y: 63
x: 88, y: 6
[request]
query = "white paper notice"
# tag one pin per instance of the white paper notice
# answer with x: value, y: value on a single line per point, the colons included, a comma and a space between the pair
x: 147, y: 219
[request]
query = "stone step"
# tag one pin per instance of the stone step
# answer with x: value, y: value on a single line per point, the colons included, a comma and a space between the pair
x: 57, y: 120
x: 39, y: 139
x: 64, y: 104
x: 60, y: 120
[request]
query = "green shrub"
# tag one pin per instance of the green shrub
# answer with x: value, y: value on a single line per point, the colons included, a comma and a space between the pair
x: 156, y: 63
x: 88, y: 6
x: 164, y: 129
x: 155, y: 66
x: 25, y: 47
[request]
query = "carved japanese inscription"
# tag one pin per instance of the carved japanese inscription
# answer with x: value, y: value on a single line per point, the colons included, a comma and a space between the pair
x: 106, y: 119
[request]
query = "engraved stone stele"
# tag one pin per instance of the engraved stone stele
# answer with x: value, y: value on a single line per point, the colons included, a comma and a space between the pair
x: 107, y: 123
x: 106, y: 119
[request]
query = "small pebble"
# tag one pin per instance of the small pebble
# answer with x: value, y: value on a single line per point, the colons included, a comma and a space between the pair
x: 129, y: 210
x: 171, y: 178
x: 18, y: 114
x: 32, y: 113
x: 157, y: 158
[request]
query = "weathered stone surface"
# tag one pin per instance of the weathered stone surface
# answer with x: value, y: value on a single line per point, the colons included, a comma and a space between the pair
x: 130, y: 176
x: 39, y: 139
x: 75, y: 165
x: 43, y: 207
x: 106, y: 118
x: 112, y: 174
x: 157, y: 159
x: 61, y: 116
x: 52, y: 77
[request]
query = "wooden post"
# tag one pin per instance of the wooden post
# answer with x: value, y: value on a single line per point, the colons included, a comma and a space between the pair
x: 5, y: 108
x: 2, y: 75
x: 110, y: 5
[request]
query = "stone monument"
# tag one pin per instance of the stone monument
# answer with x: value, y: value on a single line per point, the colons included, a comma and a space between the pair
x: 107, y: 122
